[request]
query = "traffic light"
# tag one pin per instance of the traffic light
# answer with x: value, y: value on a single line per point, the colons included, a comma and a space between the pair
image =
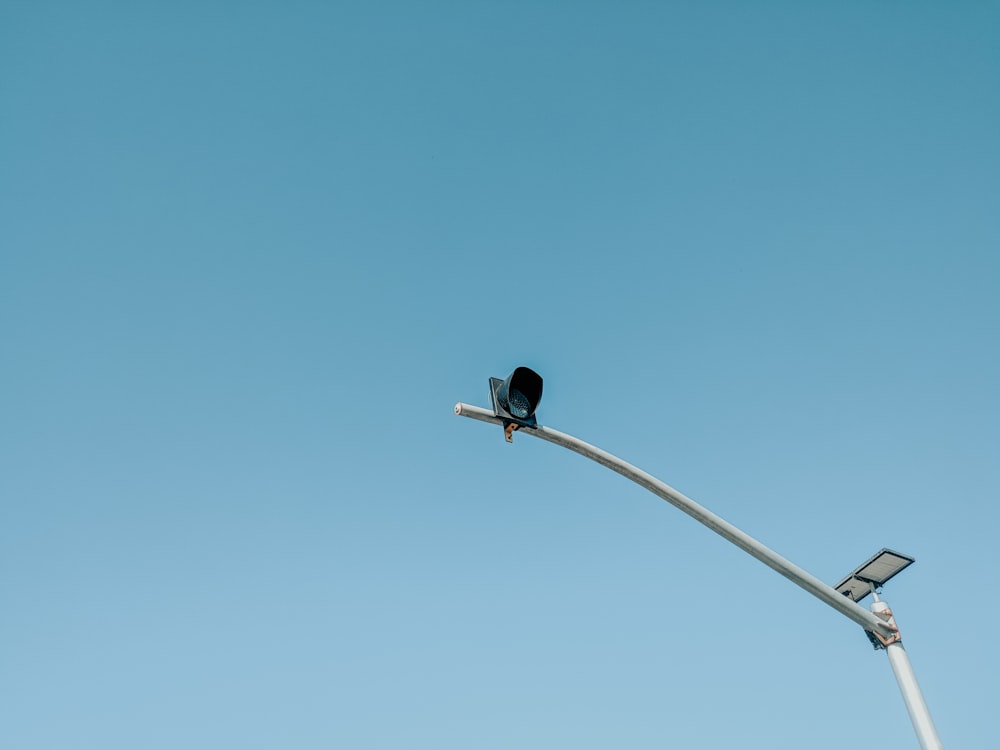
x: 516, y: 398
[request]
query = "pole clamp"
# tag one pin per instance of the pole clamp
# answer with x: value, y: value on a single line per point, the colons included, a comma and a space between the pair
x: 879, y: 641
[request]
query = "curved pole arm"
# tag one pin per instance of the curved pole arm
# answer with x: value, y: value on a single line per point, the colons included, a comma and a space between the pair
x: 723, y: 528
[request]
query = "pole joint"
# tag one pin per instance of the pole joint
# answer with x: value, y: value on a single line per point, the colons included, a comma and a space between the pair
x: 882, y: 641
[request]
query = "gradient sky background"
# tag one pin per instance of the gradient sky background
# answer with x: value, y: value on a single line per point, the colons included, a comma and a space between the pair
x: 251, y: 254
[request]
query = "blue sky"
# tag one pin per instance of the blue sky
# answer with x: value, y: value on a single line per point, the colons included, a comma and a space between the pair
x: 252, y: 254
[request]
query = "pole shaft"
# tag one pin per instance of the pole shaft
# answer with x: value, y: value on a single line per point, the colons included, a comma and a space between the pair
x: 822, y: 591
x: 916, y: 707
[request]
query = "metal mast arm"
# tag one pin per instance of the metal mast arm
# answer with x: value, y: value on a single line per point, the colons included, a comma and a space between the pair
x: 723, y: 528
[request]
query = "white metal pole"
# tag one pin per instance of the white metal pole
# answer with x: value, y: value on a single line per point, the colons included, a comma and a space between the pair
x: 744, y: 541
x: 913, y: 697
x: 878, y: 621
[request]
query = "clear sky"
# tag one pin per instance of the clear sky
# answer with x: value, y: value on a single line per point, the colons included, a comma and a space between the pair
x: 251, y: 254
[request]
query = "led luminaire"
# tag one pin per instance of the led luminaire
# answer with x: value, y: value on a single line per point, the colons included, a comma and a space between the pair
x: 877, y: 571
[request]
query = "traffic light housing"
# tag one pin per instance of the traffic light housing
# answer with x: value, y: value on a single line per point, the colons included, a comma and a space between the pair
x: 516, y: 398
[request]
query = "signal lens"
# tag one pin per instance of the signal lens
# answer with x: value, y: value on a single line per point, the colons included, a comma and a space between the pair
x: 519, y: 404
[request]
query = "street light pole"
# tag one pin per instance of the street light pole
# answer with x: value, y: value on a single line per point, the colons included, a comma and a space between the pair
x: 884, y: 628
